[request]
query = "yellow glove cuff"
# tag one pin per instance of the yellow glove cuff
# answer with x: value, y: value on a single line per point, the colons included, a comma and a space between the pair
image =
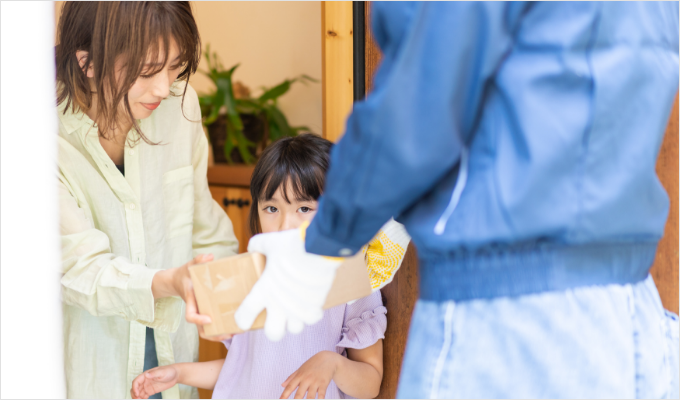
x: 384, y: 254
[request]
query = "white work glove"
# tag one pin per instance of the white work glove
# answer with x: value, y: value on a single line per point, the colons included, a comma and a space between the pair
x: 293, y: 286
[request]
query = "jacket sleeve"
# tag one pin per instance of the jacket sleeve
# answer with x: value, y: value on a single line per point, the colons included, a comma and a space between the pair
x: 213, y: 232
x: 102, y: 283
x: 411, y: 129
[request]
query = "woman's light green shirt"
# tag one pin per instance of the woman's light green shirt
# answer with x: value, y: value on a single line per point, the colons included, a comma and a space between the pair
x: 118, y: 231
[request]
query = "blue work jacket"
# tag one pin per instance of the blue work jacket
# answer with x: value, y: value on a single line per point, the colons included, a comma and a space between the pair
x: 516, y: 142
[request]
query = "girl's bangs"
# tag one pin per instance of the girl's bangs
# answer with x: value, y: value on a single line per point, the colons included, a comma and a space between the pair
x: 306, y: 183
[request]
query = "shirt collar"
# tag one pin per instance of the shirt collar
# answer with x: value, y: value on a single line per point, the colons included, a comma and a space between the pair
x: 72, y: 121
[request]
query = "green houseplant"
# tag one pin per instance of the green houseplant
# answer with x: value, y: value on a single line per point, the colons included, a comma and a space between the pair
x: 241, y: 126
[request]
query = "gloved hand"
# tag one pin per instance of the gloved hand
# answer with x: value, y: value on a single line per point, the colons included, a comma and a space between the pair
x: 293, y: 286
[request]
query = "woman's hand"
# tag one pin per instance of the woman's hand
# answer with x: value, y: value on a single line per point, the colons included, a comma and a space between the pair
x: 154, y: 381
x: 312, y: 377
x: 177, y: 282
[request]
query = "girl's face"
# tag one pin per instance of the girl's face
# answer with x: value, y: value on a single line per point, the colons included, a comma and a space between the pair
x: 279, y: 215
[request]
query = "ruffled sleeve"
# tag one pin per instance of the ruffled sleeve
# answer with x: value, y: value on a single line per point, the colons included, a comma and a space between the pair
x: 365, y: 323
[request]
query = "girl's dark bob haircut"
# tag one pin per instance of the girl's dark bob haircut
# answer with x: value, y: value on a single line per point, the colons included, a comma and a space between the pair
x: 301, y: 160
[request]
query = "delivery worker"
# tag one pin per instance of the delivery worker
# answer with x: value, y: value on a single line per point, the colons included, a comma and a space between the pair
x: 517, y: 144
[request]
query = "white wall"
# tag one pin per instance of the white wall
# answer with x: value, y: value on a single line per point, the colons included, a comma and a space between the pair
x: 32, y: 344
x: 272, y: 41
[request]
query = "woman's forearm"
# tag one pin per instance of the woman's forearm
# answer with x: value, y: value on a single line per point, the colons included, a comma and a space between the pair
x: 202, y: 375
x: 173, y: 281
x: 357, y: 379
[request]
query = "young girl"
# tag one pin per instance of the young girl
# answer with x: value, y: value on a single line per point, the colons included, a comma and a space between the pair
x: 341, y: 355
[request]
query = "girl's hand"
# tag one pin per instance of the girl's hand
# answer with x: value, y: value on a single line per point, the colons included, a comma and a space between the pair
x: 154, y: 381
x: 312, y: 377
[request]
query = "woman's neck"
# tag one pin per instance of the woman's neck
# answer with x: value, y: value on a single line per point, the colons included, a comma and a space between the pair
x: 114, y: 146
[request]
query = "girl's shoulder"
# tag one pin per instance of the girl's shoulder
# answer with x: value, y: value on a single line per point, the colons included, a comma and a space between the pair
x: 364, y: 323
x: 371, y: 304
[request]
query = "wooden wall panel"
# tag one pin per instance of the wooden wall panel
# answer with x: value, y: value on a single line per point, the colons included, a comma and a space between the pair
x: 373, y: 54
x: 337, y: 68
x: 399, y: 297
x: 665, y: 268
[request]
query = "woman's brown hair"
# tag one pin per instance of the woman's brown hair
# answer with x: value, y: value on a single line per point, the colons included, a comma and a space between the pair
x: 131, y: 31
x: 301, y: 160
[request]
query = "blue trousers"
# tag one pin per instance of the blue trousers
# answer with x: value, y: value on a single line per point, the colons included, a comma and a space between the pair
x: 150, y: 356
x: 612, y: 341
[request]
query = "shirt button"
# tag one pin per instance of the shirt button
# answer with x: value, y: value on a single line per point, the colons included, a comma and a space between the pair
x: 132, y: 206
x: 131, y: 152
x: 345, y: 252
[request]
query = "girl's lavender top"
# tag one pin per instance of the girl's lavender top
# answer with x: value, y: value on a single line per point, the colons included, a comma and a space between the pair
x: 256, y: 367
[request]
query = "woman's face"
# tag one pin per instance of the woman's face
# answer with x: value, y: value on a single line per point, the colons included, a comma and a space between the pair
x: 148, y: 91
x: 279, y: 215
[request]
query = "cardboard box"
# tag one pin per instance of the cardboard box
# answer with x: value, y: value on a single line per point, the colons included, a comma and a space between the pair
x: 221, y: 286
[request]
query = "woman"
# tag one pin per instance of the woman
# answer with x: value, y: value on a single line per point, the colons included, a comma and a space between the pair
x: 134, y: 200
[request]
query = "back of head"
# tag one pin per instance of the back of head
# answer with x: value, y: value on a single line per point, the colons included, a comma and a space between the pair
x: 301, y: 160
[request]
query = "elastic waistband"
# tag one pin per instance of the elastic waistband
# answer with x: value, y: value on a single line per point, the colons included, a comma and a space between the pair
x: 514, y: 271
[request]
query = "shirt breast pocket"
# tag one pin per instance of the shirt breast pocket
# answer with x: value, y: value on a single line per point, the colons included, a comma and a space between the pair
x: 178, y: 198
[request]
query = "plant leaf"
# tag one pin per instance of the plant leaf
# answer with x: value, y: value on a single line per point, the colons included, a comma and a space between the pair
x: 248, y: 106
x: 304, y: 78
x: 278, y: 124
x: 275, y: 92
x: 283, y: 87
x: 217, y: 103
x: 229, y: 144
x: 225, y: 85
x: 205, y: 100
x: 244, y: 146
x: 274, y: 130
x: 281, y: 121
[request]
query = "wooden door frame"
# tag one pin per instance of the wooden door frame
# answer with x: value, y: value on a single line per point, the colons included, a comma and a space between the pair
x: 337, y: 66
x: 343, y: 65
